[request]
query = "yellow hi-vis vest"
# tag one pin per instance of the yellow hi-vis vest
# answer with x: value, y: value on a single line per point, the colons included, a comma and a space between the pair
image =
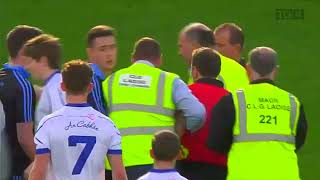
x: 264, y: 134
x: 232, y: 74
x: 140, y: 103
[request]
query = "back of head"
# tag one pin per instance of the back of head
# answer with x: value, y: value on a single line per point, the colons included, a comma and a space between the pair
x: 263, y: 60
x: 99, y: 31
x: 44, y: 46
x: 18, y: 36
x: 199, y: 33
x: 236, y: 34
x: 146, y: 49
x: 207, y: 62
x: 165, y: 146
x: 76, y: 76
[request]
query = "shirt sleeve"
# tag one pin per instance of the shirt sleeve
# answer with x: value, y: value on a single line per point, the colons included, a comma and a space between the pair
x: 41, y: 138
x: 221, y: 127
x: 302, y: 128
x: 25, y: 101
x: 185, y: 101
x: 115, y: 144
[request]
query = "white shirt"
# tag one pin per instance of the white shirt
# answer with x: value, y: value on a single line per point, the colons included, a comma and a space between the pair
x: 78, y: 138
x: 52, y: 97
x: 162, y: 174
x: 4, y: 153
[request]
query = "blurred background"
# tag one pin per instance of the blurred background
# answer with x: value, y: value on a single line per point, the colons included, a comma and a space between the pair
x: 265, y: 23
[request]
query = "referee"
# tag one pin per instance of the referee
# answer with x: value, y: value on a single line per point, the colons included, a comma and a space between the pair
x: 18, y: 98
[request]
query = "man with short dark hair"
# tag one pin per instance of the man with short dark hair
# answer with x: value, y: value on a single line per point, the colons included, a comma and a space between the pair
x: 229, y: 41
x: 75, y: 139
x: 44, y: 54
x: 165, y: 151
x: 18, y: 98
x: 196, y: 35
x: 102, y: 56
x: 200, y: 162
x: 142, y: 100
x: 102, y: 48
x: 261, y: 126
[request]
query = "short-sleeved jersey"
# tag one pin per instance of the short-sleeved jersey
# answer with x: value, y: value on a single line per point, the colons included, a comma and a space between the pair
x: 78, y: 138
x: 162, y: 174
x: 52, y: 97
x: 18, y: 98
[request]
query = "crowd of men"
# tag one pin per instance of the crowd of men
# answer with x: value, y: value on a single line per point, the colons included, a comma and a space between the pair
x: 89, y: 121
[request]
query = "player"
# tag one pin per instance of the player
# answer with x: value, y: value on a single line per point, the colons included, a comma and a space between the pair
x: 44, y: 54
x: 165, y: 151
x: 75, y: 139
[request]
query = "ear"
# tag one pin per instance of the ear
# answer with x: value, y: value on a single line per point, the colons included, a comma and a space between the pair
x: 90, y: 87
x: 151, y: 153
x: 158, y: 61
x: 275, y: 72
x: 63, y: 86
x: 44, y: 60
x: 89, y: 51
x: 249, y: 71
x: 180, y: 155
x: 237, y: 47
x: 194, y: 73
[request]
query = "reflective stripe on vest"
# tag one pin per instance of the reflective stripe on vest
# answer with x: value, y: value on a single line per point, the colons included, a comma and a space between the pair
x: 244, y: 136
x: 143, y: 130
x: 156, y: 109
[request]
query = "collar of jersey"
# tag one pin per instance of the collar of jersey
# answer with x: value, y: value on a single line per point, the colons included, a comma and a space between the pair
x: 21, y: 70
x: 78, y: 104
x: 162, y: 170
x: 50, y: 77
x: 97, y: 71
x: 142, y: 61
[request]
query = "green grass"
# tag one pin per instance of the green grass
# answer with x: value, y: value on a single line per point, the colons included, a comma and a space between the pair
x: 295, y: 40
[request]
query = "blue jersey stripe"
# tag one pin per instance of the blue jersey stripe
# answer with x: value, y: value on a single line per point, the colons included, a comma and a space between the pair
x: 98, y: 88
x: 95, y: 93
x: 24, y: 91
x: 42, y: 151
x: 28, y: 98
x: 100, y: 98
x: 29, y: 95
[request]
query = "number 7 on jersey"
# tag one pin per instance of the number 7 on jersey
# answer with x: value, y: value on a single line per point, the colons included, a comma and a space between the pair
x: 90, y: 141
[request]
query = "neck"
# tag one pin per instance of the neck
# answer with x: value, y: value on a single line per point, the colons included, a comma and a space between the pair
x: 14, y: 62
x: 76, y: 99
x: 237, y: 57
x: 164, y: 165
x: 107, y: 72
x: 261, y: 77
x: 47, y: 73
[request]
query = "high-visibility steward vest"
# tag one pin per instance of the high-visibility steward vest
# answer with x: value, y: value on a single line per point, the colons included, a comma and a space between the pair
x: 140, y: 103
x: 232, y: 74
x: 264, y: 134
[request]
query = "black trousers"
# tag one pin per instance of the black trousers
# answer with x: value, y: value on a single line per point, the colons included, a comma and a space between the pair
x: 201, y: 171
x: 133, y: 172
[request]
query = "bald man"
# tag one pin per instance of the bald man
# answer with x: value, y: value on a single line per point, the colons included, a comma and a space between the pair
x: 196, y: 35
x: 261, y: 126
